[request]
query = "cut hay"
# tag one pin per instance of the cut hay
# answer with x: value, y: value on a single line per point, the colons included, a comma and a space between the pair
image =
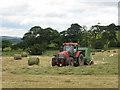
x: 33, y: 61
x: 24, y: 54
x: 17, y: 56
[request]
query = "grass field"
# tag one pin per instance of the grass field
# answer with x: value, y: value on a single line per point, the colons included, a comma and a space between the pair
x: 103, y: 74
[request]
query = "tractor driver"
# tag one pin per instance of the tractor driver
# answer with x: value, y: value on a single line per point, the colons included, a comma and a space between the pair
x: 71, y: 48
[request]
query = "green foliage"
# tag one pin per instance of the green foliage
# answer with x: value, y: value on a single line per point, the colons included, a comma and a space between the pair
x: 72, y: 34
x: 114, y: 44
x: 38, y: 49
x: 103, y: 34
x: 97, y: 37
x: 20, y: 45
x: 99, y: 45
x: 37, y: 39
x: 5, y: 43
x: 7, y: 49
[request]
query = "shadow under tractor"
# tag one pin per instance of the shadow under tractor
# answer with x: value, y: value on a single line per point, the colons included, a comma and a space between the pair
x: 71, y: 55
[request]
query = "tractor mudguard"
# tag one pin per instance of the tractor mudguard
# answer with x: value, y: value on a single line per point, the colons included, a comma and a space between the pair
x: 77, y: 53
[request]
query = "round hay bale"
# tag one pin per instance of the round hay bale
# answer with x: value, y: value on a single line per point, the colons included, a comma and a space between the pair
x: 24, y: 54
x: 102, y: 51
x: 33, y: 61
x: 108, y: 51
x: 17, y: 56
x: 93, y: 53
x: 114, y: 51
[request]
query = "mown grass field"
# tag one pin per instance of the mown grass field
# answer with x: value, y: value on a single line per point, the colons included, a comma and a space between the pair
x: 103, y: 74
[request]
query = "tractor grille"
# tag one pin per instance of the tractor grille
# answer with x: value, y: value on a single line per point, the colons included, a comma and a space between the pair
x: 61, y: 56
x: 60, y: 60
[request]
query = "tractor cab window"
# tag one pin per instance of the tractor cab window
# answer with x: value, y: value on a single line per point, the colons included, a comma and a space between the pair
x: 68, y: 48
x: 71, y: 48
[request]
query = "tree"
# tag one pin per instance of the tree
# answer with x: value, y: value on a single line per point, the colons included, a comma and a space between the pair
x: 36, y: 36
x: 108, y: 36
x: 5, y: 43
x: 74, y: 33
x: 86, y: 39
x: 99, y: 44
x: 112, y: 27
x: 104, y: 34
x: 95, y: 35
x: 37, y: 49
x: 20, y: 45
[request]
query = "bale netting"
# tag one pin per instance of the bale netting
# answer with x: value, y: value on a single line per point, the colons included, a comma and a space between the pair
x: 33, y: 61
x: 24, y: 54
x: 17, y: 56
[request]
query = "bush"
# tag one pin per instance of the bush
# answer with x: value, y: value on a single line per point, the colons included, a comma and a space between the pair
x: 96, y: 50
x: 118, y: 44
x: 38, y: 49
x: 114, y: 44
x: 99, y: 45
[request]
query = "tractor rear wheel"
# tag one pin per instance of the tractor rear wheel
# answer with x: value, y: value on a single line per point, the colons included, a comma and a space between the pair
x: 81, y: 60
x: 69, y: 61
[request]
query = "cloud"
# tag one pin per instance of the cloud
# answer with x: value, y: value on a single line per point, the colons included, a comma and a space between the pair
x: 15, y: 10
x: 20, y: 15
x: 12, y: 32
x: 10, y: 24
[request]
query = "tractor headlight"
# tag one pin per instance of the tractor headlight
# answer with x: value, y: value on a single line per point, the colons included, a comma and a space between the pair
x: 61, y: 56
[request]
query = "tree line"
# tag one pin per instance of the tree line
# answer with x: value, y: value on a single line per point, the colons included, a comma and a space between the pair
x: 39, y: 39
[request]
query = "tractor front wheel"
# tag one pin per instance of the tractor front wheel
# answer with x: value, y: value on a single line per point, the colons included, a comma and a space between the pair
x: 69, y: 61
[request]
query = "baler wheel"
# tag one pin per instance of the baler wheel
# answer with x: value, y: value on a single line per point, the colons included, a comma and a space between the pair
x: 91, y: 62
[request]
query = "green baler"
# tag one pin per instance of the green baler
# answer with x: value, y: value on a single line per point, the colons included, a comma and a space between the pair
x: 86, y: 54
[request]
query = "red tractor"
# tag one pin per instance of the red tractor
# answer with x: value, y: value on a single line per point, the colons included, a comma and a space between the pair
x: 69, y: 56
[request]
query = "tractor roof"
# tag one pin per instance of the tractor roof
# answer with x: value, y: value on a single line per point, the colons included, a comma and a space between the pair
x: 70, y: 43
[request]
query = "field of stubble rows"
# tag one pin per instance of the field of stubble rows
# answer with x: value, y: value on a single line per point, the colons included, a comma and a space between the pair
x: 103, y: 74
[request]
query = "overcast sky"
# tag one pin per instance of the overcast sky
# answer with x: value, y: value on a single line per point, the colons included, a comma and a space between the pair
x: 18, y: 16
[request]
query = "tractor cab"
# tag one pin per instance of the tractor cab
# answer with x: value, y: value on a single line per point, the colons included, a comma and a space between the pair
x: 72, y: 47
